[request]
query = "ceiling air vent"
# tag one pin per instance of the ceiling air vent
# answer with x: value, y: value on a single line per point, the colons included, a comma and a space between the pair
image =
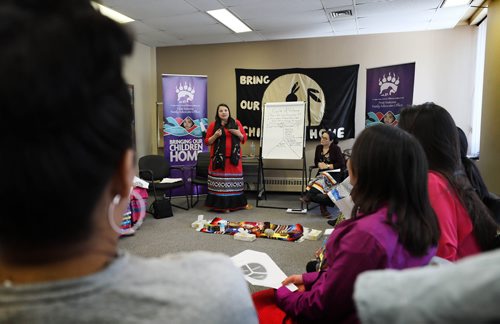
x: 341, y: 13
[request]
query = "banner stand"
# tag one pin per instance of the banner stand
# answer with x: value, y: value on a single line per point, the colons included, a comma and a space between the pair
x: 183, y: 118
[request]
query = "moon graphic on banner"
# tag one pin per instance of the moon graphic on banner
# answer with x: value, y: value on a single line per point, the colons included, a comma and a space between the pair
x: 298, y: 87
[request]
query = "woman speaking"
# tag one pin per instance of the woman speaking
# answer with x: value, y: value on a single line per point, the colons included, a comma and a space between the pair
x: 225, y: 171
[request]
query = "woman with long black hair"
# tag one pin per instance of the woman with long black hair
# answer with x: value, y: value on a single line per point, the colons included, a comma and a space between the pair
x: 467, y: 227
x: 225, y: 172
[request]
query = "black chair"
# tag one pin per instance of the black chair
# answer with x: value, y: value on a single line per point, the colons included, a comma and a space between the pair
x: 153, y: 168
x: 199, y: 175
x: 347, y: 154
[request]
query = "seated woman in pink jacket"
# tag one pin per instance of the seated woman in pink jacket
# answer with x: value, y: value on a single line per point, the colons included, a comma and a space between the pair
x: 466, y: 224
x: 392, y: 226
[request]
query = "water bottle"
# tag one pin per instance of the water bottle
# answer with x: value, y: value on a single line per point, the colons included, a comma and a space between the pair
x: 252, y: 149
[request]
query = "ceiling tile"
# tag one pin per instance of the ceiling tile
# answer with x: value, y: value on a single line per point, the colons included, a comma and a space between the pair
x: 290, y: 20
x: 454, y: 13
x: 318, y: 30
x: 181, y: 22
x: 205, y: 5
x: 140, y: 10
x: 275, y: 8
x: 337, y: 3
x: 344, y: 25
x: 402, y: 7
x: 214, y: 39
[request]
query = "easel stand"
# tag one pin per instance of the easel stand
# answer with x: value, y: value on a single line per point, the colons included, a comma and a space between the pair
x: 262, y: 193
x: 282, y: 138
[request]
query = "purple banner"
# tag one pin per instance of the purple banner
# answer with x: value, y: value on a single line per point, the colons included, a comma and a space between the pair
x: 184, y: 122
x: 388, y: 89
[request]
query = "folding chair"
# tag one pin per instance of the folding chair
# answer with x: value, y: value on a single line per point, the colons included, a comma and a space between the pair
x: 199, y: 175
x: 153, y: 168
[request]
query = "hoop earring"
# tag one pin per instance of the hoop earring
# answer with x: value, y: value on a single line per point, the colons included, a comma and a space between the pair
x: 142, y: 213
x: 111, y: 210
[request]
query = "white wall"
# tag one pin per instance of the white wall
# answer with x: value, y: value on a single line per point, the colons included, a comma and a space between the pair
x: 444, y: 66
x: 140, y: 71
x: 444, y: 71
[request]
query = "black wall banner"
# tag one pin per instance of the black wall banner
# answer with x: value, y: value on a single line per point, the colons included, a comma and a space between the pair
x: 329, y: 94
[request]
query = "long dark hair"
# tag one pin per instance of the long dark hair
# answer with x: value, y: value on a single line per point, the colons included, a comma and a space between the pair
x: 390, y: 168
x: 80, y: 119
x: 434, y: 127
x: 470, y: 168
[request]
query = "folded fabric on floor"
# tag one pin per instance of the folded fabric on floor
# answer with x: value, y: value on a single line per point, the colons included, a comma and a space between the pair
x: 260, y: 229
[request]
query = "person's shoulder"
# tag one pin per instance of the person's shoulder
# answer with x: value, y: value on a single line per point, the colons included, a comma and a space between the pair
x: 183, y: 284
x: 369, y: 220
x: 372, y: 225
x: 437, y: 183
x: 335, y: 147
x: 182, y: 269
x: 436, y: 177
x: 364, y: 235
x: 197, y: 261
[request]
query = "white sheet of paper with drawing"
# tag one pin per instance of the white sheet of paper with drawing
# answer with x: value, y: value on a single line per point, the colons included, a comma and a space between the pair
x: 259, y: 269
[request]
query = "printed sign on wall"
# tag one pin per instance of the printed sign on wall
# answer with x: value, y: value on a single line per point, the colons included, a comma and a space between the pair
x: 388, y: 89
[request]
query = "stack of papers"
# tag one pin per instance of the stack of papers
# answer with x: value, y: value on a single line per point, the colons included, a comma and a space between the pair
x: 138, y: 182
x: 170, y: 180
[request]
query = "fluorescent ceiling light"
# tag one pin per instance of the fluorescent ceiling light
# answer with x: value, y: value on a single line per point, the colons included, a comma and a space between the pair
x: 115, y: 15
x: 454, y: 3
x: 229, y: 20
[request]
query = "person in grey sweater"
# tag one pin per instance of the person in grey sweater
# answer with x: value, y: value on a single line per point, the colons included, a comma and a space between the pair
x: 465, y: 292
x: 68, y: 165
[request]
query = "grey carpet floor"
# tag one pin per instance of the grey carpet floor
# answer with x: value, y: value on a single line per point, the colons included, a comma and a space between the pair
x: 157, y: 237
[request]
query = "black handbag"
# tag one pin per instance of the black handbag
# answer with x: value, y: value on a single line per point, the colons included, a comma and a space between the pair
x: 162, y: 208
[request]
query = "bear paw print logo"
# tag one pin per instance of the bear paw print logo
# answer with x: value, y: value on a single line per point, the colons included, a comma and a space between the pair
x: 185, y: 93
x: 388, y: 85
